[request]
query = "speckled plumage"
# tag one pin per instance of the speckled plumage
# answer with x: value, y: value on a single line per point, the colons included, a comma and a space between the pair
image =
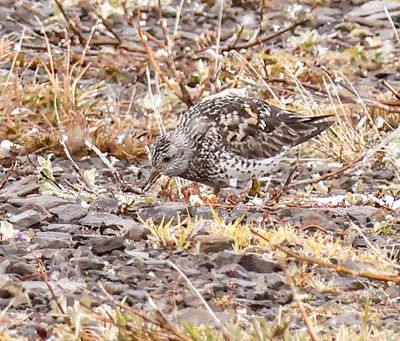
x: 226, y: 141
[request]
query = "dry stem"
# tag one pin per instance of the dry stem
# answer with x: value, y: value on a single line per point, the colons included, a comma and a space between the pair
x: 7, y: 175
x: 43, y: 274
x: 225, y: 332
x: 338, y: 268
x: 296, y: 298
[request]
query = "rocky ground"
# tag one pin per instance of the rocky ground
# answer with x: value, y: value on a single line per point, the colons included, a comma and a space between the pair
x: 78, y: 245
x: 75, y: 238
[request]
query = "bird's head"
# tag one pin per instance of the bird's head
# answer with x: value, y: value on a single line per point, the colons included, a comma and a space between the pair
x: 170, y: 155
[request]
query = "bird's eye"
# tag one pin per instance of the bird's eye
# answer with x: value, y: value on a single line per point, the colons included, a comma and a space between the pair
x: 167, y: 159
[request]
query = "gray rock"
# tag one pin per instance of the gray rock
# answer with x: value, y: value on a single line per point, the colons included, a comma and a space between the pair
x: 61, y: 228
x: 21, y: 300
x: 375, y: 9
x: 324, y: 17
x: 274, y: 280
x: 59, y: 287
x: 136, y: 295
x: 234, y: 270
x: 310, y: 218
x: 361, y: 215
x: 255, y: 263
x: 133, y: 229
x: 200, y: 316
x: 45, y: 201
x: 69, y: 212
x: 9, y: 286
x: 209, y: 243
x: 26, y: 219
x: 87, y: 263
x: 14, y: 248
x: 38, y: 208
x: 283, y: 296
x: 35, y: 286
x: 349, y: 319
x: 8, y: 208
x: 225, y: 258
x: 358, y: 266
x: 21, y: 268
x: 106, y: 245
x: 166, y: 212
x: 20, y: 188
x: 349, y: 282
x: 136, y: 232
x: 53, y: 235
x: 104, y: 205
x: 255, y: 304
x: 393, y: 291
x: 115, y: 288
x: 51, y: 243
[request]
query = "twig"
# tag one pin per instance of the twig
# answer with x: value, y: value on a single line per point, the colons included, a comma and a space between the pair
x: 338, y: 268
x: 335, y: 79
x: 225, y: 332
x: 258, y: 75
x: 159, y: 120
x: 154, y: 64
x: 286, y: 185
x: 82, y: 178
x: 166, y: 326
x: 385, y: 140
x: 178, y: 16
x: 238, y: 34
x: 70, y: 23
x: 380, y: 104
x: 385, y: 107
x: 262, y: 4
x: 378, y: 252
x: 29, y: 9
x: 128, y: 326
x: 8, y: 174
x: 264, y: 39
x: 329, y: 175
x: 296, y: 298
x: 219, y: 32
x: 186, y: 98
x: 113, y: 170
x: 392, y: 23
x: 136, y: 26
x: 110, y: 29
x: 313, y: 226
x: 43, y: 274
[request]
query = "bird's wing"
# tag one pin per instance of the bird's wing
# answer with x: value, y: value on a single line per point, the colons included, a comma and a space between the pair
x: 253, y: 128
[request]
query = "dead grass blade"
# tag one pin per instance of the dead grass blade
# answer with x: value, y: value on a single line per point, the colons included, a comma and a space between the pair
x: 296, y: 298
x: 338, y: 268
x: 225, y: 332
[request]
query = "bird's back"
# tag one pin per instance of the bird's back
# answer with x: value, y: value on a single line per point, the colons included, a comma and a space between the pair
x: 250, y: 128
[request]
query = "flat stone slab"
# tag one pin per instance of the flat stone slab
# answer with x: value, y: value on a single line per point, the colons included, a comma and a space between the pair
x: 69, y: 212
x: 106, y: 245
x: 135, y: 231
x: 45, y: 201
x: 26, y: 219
x: 20, y: 188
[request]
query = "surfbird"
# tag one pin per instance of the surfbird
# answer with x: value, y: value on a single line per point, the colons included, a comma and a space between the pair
x: 227, y: 141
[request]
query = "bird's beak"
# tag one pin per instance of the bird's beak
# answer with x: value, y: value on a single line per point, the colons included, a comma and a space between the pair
x: 155, y: 173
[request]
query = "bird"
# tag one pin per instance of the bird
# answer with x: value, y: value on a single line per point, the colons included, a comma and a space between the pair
x: 229, y: 140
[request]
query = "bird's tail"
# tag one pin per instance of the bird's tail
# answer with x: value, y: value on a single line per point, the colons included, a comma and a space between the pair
x: 313, y: 126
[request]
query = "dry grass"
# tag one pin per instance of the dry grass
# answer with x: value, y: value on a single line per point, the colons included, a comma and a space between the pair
x: 54, y: 94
